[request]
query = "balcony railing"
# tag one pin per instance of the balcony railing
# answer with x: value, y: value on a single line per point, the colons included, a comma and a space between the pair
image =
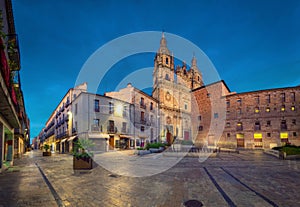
x: 13, y: 51
x: 143, y: 106
x: 112, y: 130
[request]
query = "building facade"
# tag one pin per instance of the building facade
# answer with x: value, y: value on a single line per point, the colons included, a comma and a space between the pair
x: 256, y: 119
x: 172, y: 89
x: 180, y: 108
x: 14, y: 123
x: 145, y: 112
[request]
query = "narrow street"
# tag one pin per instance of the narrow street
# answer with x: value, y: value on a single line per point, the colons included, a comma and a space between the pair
x: 250, y: 178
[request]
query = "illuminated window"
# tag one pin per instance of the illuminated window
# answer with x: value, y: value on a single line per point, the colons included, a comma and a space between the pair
x: 293, y: 108
x: 256, y: 110
x: 228, y: 124
x: 239, y: 126
x: 282, y: 108
x: 268, y: 109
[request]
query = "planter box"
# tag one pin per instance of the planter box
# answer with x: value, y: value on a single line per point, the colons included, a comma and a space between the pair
x: 46, y: 153
x: 82, y: 163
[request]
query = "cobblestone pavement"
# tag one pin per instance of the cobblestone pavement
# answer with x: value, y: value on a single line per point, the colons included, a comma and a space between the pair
x: 250, y: 178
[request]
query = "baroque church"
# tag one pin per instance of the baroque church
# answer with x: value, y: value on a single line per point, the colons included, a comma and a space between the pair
x: 172, y: 88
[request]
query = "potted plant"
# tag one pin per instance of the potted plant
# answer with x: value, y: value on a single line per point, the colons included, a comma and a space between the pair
x: 46, y: 148
x: 82, y: 156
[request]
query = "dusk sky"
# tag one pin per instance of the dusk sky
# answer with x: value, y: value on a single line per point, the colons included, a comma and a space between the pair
x: 254, y: 45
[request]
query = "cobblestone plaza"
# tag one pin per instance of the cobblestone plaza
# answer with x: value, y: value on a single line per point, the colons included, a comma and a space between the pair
x: 249, y: 178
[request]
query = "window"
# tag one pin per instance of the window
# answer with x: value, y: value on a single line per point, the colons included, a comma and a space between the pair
x: 295, y: 134
x: 199, y: 118
x: 75, y: 126
x: 282, y: 108
x: 228, y: 124
x: 151, y: 119
x: 216, y: 115
x: 239, y: 111
x: 151, y: 134
x: 268, y: 109
x: 228, y: 103
x: 268, y: 134
x: 74, y: 96
x: 151, y: 106
x: 111, y: 107
x: 257, y: 126
x: 268, y: 123
x: 227, y: 113
x: 239, y: 126
x: 111, y: 126
x: 256, y: 110
x: 228, y: 135
x: 124, y: 126
x: 239, y: 102
x: 283, y: 125
x: 124, y: 111
x: 76, y: 109
x: 257, y: 99
x: 167, y: 77
x: 293, y: 108
x: 282, y: 97
x: 142, y: 101
x: 142, y: 128
x: 294, y: 121
x: 167, y: 61
x: 96, y: 122
x: 293, y: 97
x: 208, y: 95
x: 142, y: 116
x: 268, y: 98
x: 96, y: 105
x: 185, y: 106
x: 200, y: 128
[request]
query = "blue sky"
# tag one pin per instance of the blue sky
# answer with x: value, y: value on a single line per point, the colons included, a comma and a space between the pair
x: 253, y: 44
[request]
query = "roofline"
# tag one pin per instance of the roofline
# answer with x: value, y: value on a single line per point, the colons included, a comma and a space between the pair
x: 264, y: 90
x: 220, y: 81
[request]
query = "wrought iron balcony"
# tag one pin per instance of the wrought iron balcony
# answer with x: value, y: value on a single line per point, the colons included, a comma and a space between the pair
x: 13, y: 51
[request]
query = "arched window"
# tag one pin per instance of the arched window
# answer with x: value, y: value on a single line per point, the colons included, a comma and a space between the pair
x: 167, y: 77
x: 167, y: 61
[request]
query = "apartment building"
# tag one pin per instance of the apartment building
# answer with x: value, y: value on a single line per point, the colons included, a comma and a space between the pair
x: 145, y: 112
x: 14, y: 123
